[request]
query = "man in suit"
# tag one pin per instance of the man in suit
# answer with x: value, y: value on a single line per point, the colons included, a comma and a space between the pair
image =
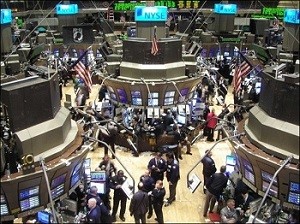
x: 209, y: 167
x: 139, y: 205
x: 172, y: 177
x: 215, y: 187
x: 157, y: 166
x: 119, y: 195
x: 94, y: 214
x: 158, y: 195
x: 229, y: 213
x: 149, y: 184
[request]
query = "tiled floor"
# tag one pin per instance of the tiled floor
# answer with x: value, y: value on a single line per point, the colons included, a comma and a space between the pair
x: 188, y: 207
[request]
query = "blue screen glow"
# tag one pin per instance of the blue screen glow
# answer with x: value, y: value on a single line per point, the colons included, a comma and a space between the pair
x: 292, y: 16
x: 6, y: 16
x: 229, y: 9
x: 150, y: 14
x: 66, y: 9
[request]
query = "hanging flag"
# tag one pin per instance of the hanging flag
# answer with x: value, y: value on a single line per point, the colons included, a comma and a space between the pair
x: 241, y: 71
x: 168, y: 22
x: 154, y: 47
x: 83, y: 71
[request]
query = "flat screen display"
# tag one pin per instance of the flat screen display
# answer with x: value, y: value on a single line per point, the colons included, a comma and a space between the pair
x: 181, y: 119
x: 58, y: 180
x: 229, y: 169
x: 43, y: 217
x: 4, y: 208
x: 77, y: 167
x: 268, y: 177
x: 292, y: 16
x: 170, y: 94
x: 98, y: 176
x: 122, y: 95
x: 58, y: 191
x: 153, y: 112
x: 29, y: 203
x: 69, y: 9
x: 87, y: 163
x: 75, y: 178
x: 249, y: 176
x: 28, y: 192
x: 155, y: 102
x: 295, y: 187
x: 100, y: 186
x: 230, y: 160
x: 273, y: 190
x: 294, y: 198
x: 136, y: 98
x: 228, y: 9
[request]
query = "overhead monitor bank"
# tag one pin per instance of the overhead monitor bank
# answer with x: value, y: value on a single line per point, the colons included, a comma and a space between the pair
x: 151, y: 14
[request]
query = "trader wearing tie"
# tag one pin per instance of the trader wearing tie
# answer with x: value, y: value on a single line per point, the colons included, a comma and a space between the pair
x: 157, y: 166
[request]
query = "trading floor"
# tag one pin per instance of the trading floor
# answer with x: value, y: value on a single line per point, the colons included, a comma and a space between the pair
x: 188, y: 207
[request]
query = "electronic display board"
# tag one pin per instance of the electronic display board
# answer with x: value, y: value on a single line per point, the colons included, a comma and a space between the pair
x: 150, y: 14
x: 6, y: 16
x: 58, y: 186
x: 29, y: 198
x: 69, y: 9
x: 292, y: 16
x: 3, y: 206
x: 228, y: 9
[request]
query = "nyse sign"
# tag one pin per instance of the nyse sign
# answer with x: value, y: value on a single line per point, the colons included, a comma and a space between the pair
x: 150, y: 14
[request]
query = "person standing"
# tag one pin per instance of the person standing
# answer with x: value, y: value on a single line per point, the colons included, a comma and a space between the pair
x: 209, y: 167
x: 158, y: 166
x: 172, y: 177
x: 94, y: 214
x: 119, y: 195
x: 211, y: 125
x: 215, y: 186
x: 139, y: 204
x: 158, y: 195
x: 149, y: 184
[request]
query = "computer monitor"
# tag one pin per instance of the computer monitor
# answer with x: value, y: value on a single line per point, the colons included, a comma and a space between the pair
x: 98, y: 176
x: 29, y: 198
x: 181, y: 119
x: 295, y: 187
x: 100, y: 186
x: 87, y: 163
x: 4, y: 207
x: 43, y: 217
x: 229, y: 169
x: 230, y: 160
x: 249, y: 176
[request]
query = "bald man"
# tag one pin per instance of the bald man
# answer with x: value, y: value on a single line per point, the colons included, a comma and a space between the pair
x: 94, y: 214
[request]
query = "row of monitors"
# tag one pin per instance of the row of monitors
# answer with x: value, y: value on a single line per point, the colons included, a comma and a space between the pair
x: 29, y: 198
x: 294, y: 187
x: 136, y: 97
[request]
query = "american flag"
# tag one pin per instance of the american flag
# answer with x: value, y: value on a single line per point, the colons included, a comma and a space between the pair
x: 83, y: 71
x: 154, y: 47
x: 241, y: 71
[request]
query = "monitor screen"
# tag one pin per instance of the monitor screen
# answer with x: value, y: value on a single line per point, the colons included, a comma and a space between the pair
x: 87, y: 172
x: 229, y: 169
x: 100, y: 186
x: 170, y: 94
x: 229, y: 9
x: 75, y: 179
x: 87, y: 163
x: 77, y: 167
x: 249, y: 176
x: 29, y: 203
x: 153, y: 112
x: 136, y: 98
x: 68, y: 9
x: 6, y: 16
x: 4, y: 208
x: 43, y: 217
x: 28, y: 192
x: 294, y: 198
x: 292, y: 16
x: 58, y: 180
x: 273, y: 190
x: 98, y: 176
x: 230, y: 160
x: 181, y: 119
x: 122, y: 95
x: 295, y: 187
x: 154, y: 100
x: 266, y: 176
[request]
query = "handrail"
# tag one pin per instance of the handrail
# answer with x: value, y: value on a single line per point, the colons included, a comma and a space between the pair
x: 221, y: 140
x: 112, y: 152
x: 284, y: 163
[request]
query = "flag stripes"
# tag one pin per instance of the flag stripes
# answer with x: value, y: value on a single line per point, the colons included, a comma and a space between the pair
x: 154, y: 47
x: 241, y: 71
x: 84, y: 74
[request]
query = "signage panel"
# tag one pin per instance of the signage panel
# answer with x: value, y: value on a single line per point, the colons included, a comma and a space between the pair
x: 151, y: 14
x: 228, y: 9
x: 6, y: 16
x: 292, y: 16
x: 70, y: 9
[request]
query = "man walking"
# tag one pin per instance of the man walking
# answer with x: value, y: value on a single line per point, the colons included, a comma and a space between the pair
x: 139, y: 205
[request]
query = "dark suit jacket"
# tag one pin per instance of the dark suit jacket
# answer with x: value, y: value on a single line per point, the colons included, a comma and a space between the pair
x: 139, y: 203
x: 94, y: 216
x: 209, y: 167
x: 247, y: 202
x: 158, y: 196
x: 217, y: 183
x: 161, y: 166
